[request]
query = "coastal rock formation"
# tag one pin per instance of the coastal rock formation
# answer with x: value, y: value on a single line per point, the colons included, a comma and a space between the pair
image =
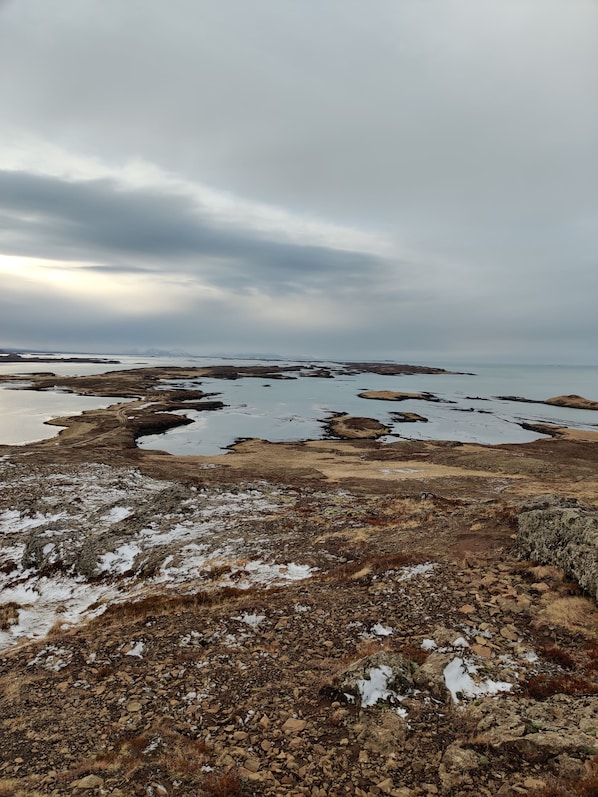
x: 349, y: 427
x: 566, y: 537
x: 12, y: 357
x: 573, y: 401
x: 392, y: 369
x: 408, y: 417
x: 397, y: 395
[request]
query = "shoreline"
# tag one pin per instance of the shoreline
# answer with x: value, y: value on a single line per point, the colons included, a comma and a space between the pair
x: 155, y: 393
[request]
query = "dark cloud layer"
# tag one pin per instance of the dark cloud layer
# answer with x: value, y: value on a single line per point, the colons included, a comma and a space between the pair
x: 100, y: 220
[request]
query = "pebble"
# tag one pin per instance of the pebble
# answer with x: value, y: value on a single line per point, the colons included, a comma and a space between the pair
x: 293, y: 725
x: 88, y: 782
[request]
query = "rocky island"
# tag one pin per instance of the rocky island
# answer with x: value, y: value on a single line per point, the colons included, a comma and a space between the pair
x: 319, y: 618
x: 13, y: 357
x: 573, y: 401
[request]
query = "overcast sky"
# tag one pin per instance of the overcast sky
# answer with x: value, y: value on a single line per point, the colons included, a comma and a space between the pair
x: 405, y: 179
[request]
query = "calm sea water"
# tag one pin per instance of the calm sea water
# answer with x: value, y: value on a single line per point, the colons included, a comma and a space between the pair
x: 295, y: 409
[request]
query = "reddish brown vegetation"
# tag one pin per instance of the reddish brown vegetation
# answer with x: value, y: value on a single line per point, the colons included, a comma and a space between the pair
x: 539, y: 687
x: 592, y: 654
x: 560, y: 657
x: 223, y: 785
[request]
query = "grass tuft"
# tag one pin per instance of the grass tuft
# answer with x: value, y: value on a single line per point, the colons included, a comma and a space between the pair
x: 226, y: 784
x: 560, y: 657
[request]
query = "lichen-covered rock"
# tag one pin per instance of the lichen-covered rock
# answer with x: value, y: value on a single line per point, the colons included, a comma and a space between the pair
x: 430, y: 676
x: 537, y: 731
x: 385, y: 736
x: 457, y: 762
x: 566, y: 537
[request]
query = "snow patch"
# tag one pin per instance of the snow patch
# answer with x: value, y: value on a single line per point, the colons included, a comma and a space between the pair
x: 136, y: 649
x: 12, y: 521
x: 259, y: 572
x: 458, y: 680
x: 119, y: 561
x: 52, y: 658
x: 252, y: 620
x: 408, y: 573
x: 116, y: 514
x: 460, y: 642
x: 382, y: 630
x: 375, y: 688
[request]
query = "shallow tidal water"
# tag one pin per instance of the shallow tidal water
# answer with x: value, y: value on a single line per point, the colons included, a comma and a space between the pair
x: 296, y: 409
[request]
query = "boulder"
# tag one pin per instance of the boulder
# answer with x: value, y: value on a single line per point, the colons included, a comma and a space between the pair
x: 566, y: 537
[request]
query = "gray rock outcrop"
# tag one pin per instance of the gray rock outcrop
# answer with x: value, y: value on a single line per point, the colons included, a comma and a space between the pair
x: 563, y: 536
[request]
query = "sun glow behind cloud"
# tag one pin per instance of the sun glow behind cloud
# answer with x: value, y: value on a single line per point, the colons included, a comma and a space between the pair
x: 78, y: 281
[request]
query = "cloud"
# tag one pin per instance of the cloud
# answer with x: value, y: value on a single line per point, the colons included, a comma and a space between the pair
x: 422, y: 173
x: 150, y: 231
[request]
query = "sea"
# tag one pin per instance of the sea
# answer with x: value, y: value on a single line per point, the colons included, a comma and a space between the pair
x: 470, y: 408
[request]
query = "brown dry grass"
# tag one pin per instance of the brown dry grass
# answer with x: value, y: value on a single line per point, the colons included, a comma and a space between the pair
x: 177, y: 755
x: 162, y: 604
x: 227, y: 784
x: 576, y: 614
x: 414, y: 653
x: 9, y: 787
x: 9, y: 615
x: 18, y: 687
x: 374, y: 565
x: 591, y: 651
x: 183, y: 756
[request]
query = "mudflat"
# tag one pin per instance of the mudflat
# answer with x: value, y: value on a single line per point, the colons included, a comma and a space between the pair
x: 336, y: 616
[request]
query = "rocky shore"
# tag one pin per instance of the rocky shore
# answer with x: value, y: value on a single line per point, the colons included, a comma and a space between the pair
x: 331, y: 617
x: 573, y: 401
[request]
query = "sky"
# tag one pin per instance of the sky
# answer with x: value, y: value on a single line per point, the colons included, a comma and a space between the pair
x: 413, y: 180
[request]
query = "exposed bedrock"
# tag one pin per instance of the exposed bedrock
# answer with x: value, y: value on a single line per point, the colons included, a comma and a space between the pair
x: 572, y: 401
x: 566, y: 537
x: 348, y: 427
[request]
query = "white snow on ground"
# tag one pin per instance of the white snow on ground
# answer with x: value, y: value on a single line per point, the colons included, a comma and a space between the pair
x: 136, y: 649
x: 408, y: 573
x: 382, y: 630
x: 264, y: 573
x: 119, y: 561
x: 429, y: 644
x: 458, y: 680
x: 11, y: 553
x: 117, y: 513
x: 52, y: 658
x: 460, y: 642
x: 45, y: 600
x: 12, y: 521
x: 375, y: 688
x: 530, y: 656
x: 190, y: 540
x: 252, y: 620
